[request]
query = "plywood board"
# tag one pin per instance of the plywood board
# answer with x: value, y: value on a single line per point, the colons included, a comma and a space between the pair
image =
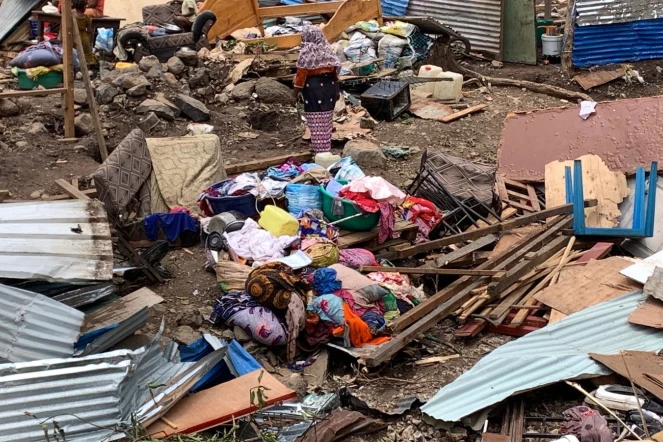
x: 583, y: 286
x: 592, y: 79
x: 607, y: 187
x: 621, y: 132
x: 641, y: 367
x: 123, y: 308
x: 519, y: 32
x: 220, y: 404
x: 649, y: 314
x: 556, y: 316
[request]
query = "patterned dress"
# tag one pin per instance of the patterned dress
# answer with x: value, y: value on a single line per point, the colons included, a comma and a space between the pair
x: 319, y: 89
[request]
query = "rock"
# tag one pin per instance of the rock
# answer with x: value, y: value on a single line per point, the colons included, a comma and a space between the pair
x: 190, y: 316
x: 131, y: 80
x: 365, y: 153
x: 294, y: 381
x: 192, y: 108
x: 36, y: 194
x: 105, y: 93
x: 160, y: 109
x: 222, y: 98
x: 21, y: 144
x: 243, y: 91
x: 205, y: 91
x: 228, y: 89
x: 367, y: 123
x: 496, y: 64
x: 185, y: 335
x: 408, y: 433
x: 161, y: 97
x: 83, y: 124
x: 188, y: 57
x: 80, y: 96
x: 271, y: 91
x: 149, y: 122
x: 3, y: 146
x: 37, y: 128
x: 199, y: 78
x: 120, y: 100
x: 137, y: 91
x: 164, y: 67
x: 240, y: 335
x: 147, y: 63
x: 175, y: 66
x: 155, y: 73
x: 8, y: 108
x: 170, y: 79
x: 228, y: 335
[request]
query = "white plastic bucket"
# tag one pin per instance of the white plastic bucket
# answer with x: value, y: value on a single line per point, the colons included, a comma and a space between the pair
x: 551, y: 45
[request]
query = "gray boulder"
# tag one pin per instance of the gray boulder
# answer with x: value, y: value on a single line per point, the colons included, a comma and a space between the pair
x: 243, y: 91
x: 83, y: 124
x: 271, y: 91
x: 188, y: 57
x: 192, y: 108
x: 199, y: 78
x: 365, y: 153
x: 105, y: 93
x: 8, y: 108
x: 147, y: 63
x: 159, y: 109
x: 131, y: 80
x: 175, y: 66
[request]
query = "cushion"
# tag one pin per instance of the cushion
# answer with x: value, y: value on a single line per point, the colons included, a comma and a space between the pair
x: 160, y: 14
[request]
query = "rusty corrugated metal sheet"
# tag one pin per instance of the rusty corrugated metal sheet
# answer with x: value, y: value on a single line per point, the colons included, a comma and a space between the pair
x: 478, y: 20
x: 56, y: 240
x: 604, y: 12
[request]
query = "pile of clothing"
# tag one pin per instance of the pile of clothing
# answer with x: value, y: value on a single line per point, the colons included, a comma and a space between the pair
x: 41, y: 59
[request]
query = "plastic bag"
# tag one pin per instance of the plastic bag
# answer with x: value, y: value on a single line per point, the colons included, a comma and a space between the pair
x: 361, y: 49
x: 104, y: 40
x: 390, y: 49
x: 398, y: 28
x: 346, y: 169
x: 302, y: 197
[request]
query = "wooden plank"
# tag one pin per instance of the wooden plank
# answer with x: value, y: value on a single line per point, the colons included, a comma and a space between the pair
x: 598, y: 251
x: 500, y: 312
x: 217, y: 405
x: 70, y: 190
x: 513, y: 236
x: 422, y: 271
x: 436, y: 359
x: 517, y: 421
x: 92, y: 102
x: 583, y: 286
x: 599, y: 182
x: 297, y: 10
x: 255, y: 165
x: 90, y: 193
x: 556, y: 316
x: 640, y: 366
x: 464, y: 251
x: 68, y: 61
x: 34, y: 92
x: 470, y: 235
x: 649, y: 314
x: 121, y: 309
x: 589, y: 80
x: 463, y: 113
x: 406, y: 229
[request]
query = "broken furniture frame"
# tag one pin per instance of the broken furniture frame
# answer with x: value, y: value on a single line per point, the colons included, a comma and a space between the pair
x: 240, y: 14
x: 643, y: 215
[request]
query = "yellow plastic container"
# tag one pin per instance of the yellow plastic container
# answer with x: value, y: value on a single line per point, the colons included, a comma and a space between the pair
x: 429, y: 71
x: 278, y: 222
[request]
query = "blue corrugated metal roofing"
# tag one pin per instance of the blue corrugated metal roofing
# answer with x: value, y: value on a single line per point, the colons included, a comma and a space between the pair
x: 13, y: 13
x: 389, y: 7
x: 555, y: 353
x: 616, y: 43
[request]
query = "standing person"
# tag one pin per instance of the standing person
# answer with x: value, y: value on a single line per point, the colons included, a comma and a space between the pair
x: 317, y: 80
x: 189, y: 13
x: 84, y: 25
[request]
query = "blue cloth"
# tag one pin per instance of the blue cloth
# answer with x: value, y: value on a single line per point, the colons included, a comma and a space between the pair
x: 324, y: 281
x: 173, y: 224
x: 329, y: 308
x: 375, y: 321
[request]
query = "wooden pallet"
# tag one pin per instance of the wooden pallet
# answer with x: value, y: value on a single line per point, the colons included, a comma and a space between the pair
x: 369, y: 240
x: 518, y: 195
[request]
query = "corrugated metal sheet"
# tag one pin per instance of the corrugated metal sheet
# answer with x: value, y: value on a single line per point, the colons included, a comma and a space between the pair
x: 478, y: 20
x: 554, y: 353
x: 56, y: 240
x: 606, y: 44
x: 12, y: 13
x: 124, y: 329
x: 34, y: 327
x: 394, y: 7
x: 604, y: 12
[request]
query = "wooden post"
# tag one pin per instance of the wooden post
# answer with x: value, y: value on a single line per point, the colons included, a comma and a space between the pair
x: 68, y: 61
x: 547, y: 9
x: 567, y: 50
x: 92, y: 102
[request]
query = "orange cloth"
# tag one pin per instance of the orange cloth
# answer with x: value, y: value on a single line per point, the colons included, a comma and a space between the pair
x: 300, y: 78
x: 360, y: 333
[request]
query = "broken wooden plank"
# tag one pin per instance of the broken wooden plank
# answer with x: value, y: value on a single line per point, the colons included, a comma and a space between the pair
x: 90, y: 193
x: 70, y: 190
x: 435, y: 359
x: 649, y: 314
x: 423, y: 271
x: 252, y: 166
x: 598, y: 251
x: 463, y: 113
x: 463, y: 251
x: 592, y: 79
x: 121, y: 309
x: 33, y: 92
x: 636, y: 365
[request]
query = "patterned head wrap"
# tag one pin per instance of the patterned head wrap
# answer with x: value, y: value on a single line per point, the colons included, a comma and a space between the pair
x: 316, y: 53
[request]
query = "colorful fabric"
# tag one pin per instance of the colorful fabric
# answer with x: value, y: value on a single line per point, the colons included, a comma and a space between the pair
x: 360, y: 333
x: 387, y: 222
x: 315, y: 51
x: 286, y: 171
x: 273, y: 285
x: 355, y: 282
x: 378, y: 189
x: 363, y: 200
x: 324, y: 281
x: 329, y: 308
x: 358, y: 303
x: 586, y: 424
x: 421, y: 212
x: 172, y: 225
x: 375, y: 321
x: 310, y: 227
x: 295, y: 320
x: 317, y: 334
x: 42, y: 54
x: 390, y: 306
x: 399, y: 285
x: 355, y: 258
x: 321, y: 125
x: 322, y: 251
x: 241, y: 310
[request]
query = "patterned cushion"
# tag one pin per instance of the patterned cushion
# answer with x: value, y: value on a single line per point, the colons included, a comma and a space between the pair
x: 160, y: 14
x: 123, y: 174
x: 171, y: 41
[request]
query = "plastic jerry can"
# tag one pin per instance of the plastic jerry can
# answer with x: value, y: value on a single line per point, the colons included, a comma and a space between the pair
x: 326, y: 159
x: 429, y: 71
x: 278, y: 222
x: 450, y: 91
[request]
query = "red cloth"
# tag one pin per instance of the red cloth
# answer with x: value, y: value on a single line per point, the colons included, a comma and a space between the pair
x: 363, y: 200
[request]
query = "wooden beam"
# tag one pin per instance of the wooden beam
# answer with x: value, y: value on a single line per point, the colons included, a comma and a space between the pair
x: 298, y: 10
x: 91, y: 193
x: 265, y: 163
x: 34, y: 92
x: 68, y: 62
x: 423, y: 271
x: 465, y: 250
x: 478, y: 233
x: 71, y: 190
x: 92, y: 102
x: 463, y: 113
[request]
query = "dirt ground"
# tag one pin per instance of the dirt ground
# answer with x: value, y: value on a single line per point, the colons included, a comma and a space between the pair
x: 34, y: 165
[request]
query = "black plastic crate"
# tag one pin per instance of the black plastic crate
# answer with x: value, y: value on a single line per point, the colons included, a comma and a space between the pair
x: 387, y: 100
